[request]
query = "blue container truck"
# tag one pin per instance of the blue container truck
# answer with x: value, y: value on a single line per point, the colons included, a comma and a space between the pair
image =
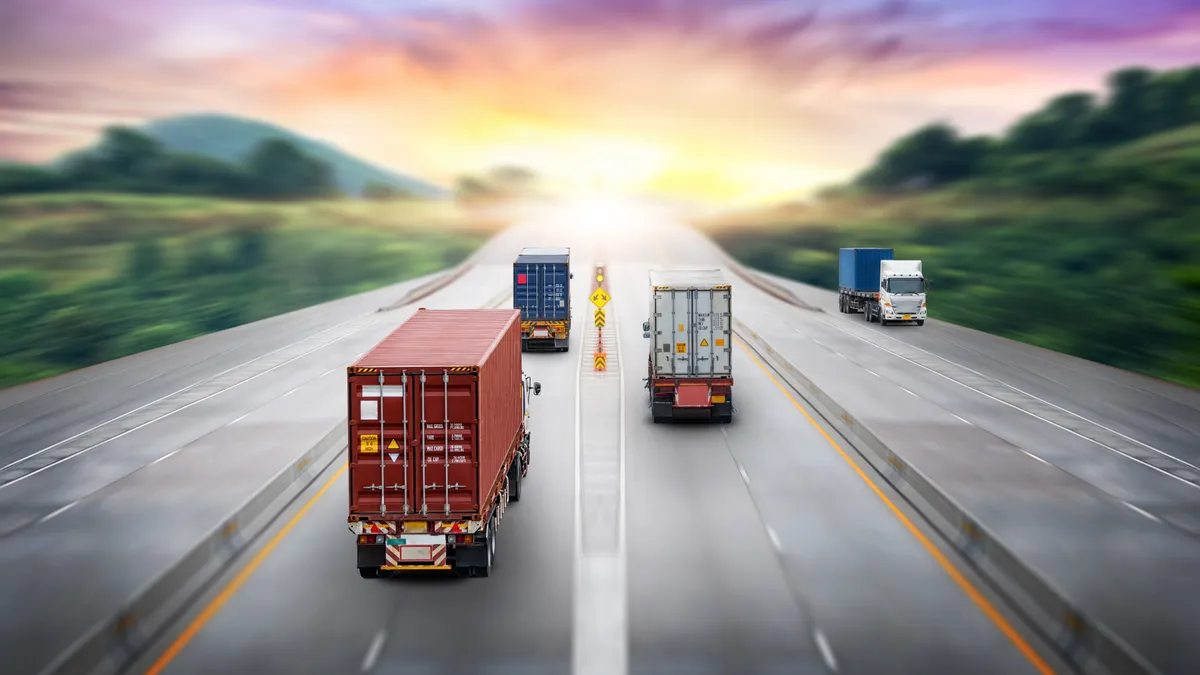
x: 886, y: 290
x: 542, y: 291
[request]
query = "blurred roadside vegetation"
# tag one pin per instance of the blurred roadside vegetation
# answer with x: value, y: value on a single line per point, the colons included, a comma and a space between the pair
x: 149, y: 256
x: 1078, y: 229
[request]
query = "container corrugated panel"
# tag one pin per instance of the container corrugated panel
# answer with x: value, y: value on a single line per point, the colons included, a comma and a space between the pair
x: 542, y: 284
x: 691, y: 324
x: 858, y: 268
x: 462, y: 421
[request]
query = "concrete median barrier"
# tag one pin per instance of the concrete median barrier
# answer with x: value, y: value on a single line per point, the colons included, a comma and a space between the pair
x: 1079, y: 638
x: 115, y: 641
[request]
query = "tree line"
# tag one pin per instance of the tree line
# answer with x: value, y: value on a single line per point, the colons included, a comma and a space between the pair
x: 127, y: 160
x: 1058, y: 149
x: 1074, y: 230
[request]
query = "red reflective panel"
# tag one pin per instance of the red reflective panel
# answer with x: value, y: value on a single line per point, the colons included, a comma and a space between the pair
x: 520, y: 278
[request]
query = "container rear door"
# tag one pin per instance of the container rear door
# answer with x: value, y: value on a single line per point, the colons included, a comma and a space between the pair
x: 711, y: 333
x: 444, y: 443
x: 669, y: 321
x: 542, y: 291
x: 377, y: 445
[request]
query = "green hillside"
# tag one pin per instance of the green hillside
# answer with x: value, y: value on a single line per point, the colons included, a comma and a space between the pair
x: 230, y: 139
x: 1077, y: 230
x: 88, y: 277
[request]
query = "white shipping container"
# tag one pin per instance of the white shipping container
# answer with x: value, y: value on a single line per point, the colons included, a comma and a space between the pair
x: 691, y: 324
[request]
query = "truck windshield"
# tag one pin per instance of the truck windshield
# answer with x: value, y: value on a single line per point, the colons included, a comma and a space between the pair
x: 905, y: 285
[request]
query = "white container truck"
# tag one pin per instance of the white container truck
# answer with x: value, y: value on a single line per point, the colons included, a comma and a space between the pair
x: 690, y: 367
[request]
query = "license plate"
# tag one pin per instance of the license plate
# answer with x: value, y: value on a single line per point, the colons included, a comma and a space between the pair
x: 396, y: 541
x: 908, y: 317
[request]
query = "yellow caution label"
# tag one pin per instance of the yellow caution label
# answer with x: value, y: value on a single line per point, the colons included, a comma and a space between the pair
x: 600, y: 361
x: 368, y: 443
x: 680, y: 347
x: 680, y: 328
x: 599, y: 298
x: 720, y: 342
x: 393, y: 445
x: 704, y: 342
x: 600, y: 320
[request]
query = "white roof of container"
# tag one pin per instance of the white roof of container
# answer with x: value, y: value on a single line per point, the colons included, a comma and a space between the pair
x: 545, y: 251
x: 699, y: 279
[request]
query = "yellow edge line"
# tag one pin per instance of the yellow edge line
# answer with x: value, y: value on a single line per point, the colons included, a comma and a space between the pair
x: 984, y: 605
x: 229, y: 591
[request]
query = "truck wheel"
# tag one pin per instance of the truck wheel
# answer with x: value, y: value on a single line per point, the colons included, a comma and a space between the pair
x: 514, y: 480
x: 867, y: 313
x: 486, y: 569
x: 920, y: 322
x: 368, y: 572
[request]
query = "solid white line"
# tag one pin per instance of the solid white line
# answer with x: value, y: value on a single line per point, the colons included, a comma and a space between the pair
x: 1149, y: 515
x: 163, y: 416
x: 56, y: 512
x: 826, y: 650
x: 290, y: 392
x: 871, y: 372
x: 373, y: 652
x: 774, y: 538
x: 166, y: 456
x: 907, y: 391
x: 1033, y: 414
x: 1035, y: 457
x: 330, y: 371
x: 745, y: 476
x: 962, y: 419
x: 163, y: 398
x: 239, y: 419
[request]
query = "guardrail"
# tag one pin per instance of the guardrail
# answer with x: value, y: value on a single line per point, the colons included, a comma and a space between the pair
x: 438, y: 282
x: 1080, y: 639
x: 111, y: 644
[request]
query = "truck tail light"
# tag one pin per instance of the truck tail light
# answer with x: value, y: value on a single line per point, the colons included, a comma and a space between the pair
x: 369, y: 539
x: 460, y: 538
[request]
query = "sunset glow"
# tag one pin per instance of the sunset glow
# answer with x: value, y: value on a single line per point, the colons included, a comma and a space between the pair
x: 729, y: 101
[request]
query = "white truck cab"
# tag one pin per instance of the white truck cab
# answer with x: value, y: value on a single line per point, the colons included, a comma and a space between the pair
x: 901, y: 291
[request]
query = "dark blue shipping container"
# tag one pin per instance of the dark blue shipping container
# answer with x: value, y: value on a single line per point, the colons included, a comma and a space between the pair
x: 858, y: 268
x: 542, y: 284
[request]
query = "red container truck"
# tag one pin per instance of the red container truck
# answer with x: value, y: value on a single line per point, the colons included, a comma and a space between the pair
x: 438, y: 444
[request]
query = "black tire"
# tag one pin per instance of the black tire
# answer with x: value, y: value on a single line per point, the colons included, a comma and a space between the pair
x: 920, y: 322
x: 867, y: 313
x: 486, y: 569
x: 368, y: 572
x: 884, y: 322
x: 514, y: 480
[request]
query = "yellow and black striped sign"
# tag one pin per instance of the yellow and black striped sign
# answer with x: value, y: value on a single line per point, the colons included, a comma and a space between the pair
x: 464, y: 369
x: 600, y: 361
x: 599, y: 318
x: 363, y: 371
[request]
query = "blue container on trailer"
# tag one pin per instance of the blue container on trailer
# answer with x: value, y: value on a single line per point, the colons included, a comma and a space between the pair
x: 542, y: 284
x: 858, y: 268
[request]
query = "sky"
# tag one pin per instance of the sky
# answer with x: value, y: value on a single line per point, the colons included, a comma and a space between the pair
x: 737, y: 100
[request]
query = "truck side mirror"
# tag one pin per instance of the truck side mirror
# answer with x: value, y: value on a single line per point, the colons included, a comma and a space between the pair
x: 537, y: 388
x: 572, y: 275
x: 646, y: 326
x: 928, y: 284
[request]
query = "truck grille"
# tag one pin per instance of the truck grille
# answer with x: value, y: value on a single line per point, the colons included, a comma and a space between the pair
x: 907, y: 307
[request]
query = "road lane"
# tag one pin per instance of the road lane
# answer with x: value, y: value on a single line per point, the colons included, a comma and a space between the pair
x: 772, y: 538
x: 1118, y: 539
x: 323, y: 617
x: 130, y: 507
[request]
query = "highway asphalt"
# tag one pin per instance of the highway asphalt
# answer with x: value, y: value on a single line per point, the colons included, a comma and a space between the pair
x: 145, y: 475
x: 755, y: 547
x: 764, y: 546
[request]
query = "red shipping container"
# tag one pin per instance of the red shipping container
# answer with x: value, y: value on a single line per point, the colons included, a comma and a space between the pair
x: 459, y: 427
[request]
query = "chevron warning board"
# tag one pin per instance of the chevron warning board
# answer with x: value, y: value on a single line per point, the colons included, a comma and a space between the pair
x: 599, y: 318
x: 600, y: 361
